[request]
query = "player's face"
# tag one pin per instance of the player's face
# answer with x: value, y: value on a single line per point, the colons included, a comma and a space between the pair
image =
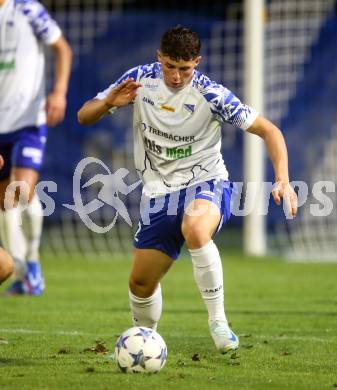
x: 177, y: 74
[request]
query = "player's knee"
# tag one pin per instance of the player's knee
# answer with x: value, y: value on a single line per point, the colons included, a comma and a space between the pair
x: 140, y: 287
x: 6, y: 265
x: 195, y: 235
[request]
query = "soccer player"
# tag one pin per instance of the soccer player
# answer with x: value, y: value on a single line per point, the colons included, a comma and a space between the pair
x: 177, y: 119
x: 25, y: 28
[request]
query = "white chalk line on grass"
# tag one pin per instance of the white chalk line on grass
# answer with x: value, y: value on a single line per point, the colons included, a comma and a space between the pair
x: 47, y: 333
x: 77, y: 333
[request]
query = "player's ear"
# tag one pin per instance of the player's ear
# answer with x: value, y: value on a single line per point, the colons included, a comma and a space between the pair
x: 159, y: 56
x: 198, y: 60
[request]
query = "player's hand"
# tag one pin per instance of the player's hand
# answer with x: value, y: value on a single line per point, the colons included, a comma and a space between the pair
x: 56, y: 108
x: 2, y: 162
x: 283, y: 190
x: 123, y: 94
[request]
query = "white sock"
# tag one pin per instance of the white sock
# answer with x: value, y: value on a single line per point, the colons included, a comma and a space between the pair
x: 13, y: 239
x: 33, y: 220
x: 146, y: 311
x: 207, y: 269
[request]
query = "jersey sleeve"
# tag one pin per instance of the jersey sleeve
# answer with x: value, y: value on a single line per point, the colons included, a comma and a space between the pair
x: 225, y: 104
x: 44, y: 26
x: 134, y: 73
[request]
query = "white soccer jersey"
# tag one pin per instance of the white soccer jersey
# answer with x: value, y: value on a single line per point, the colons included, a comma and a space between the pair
x: 177, y: 133
x: 25, y: 26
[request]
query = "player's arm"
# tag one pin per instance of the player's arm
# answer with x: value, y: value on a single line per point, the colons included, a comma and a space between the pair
x: 278, y: 154
x: 121, y: 95
x: 49, y: 33
x: 57, y: 99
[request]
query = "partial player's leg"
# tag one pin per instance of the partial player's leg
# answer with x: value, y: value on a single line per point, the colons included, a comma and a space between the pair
x: 149, y: 266
x: 23, y: 152
x: 32, y: 218
x: 200, y: 222
x: 6, y: 265
x: 19, y: 204
x: 12, y: 237
x: 157, y: 243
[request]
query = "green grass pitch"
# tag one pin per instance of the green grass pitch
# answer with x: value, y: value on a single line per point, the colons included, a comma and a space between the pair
x: 285, y: 316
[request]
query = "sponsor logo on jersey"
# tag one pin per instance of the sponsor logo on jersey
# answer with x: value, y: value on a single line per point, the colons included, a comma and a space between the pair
x: 167, y: 108
x: 171, y: 153
x: 171, y: 137
x: 177, y: 153
x: 7, y: 65
x: 147, y: 100
x: 151, y: 87
x: 151, y: 145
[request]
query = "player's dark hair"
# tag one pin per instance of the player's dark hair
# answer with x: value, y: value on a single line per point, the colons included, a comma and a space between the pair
x: 180, y: 43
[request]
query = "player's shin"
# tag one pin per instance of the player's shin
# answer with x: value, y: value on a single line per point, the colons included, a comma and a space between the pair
x: 33, y: 220
x: 207, y: 269
x: 146, y: 311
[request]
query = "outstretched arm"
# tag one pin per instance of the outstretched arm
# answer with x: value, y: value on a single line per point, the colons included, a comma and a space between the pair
x: 94, y: 110
x: 278, y: 154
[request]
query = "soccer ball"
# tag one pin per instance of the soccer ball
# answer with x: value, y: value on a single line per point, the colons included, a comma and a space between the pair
x: 140, y: 349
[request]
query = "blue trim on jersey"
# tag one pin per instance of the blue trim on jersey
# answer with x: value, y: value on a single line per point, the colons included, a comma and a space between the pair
x: 131, y: 73
x: 141, y: 72
x: 161, y: 230
x: 229, y: 97
x: 38, y: 17
x: 210, y: 96
x: 151, y: 71
x: 222, y: 101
